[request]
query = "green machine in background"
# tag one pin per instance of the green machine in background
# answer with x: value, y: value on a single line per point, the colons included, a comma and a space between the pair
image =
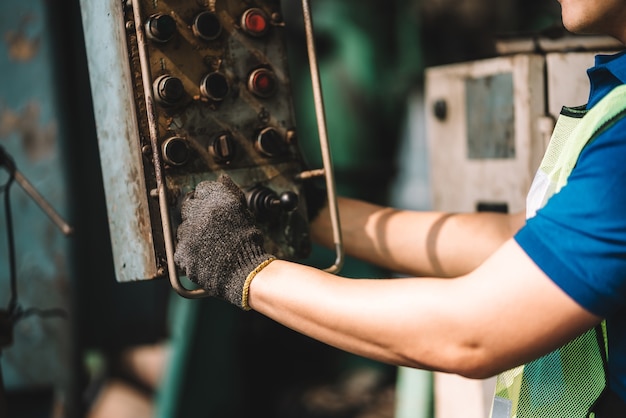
x: 370, y: 61
x: 36, y: 265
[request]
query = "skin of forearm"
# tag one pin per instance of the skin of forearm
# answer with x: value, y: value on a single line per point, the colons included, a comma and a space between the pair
x: 461, y: 326
x: 307, y: 300
x: 417, y: 243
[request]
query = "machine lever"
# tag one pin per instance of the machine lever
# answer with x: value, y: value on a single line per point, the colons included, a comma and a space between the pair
x: 265, y: 202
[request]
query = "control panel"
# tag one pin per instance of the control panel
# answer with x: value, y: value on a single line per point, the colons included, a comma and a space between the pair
x: 207, y: 91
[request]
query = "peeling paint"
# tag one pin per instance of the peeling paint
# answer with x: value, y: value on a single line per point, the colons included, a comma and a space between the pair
x: 38, y: 142
x: 21, y: 47
x: 31, y: 130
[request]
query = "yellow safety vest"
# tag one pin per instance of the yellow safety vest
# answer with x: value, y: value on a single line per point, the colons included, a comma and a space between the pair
x: 567, y: 382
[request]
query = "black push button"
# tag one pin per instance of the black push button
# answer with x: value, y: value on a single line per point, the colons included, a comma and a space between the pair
x: 168, y: 90
x: 270, y: 143
x: 214, y: 86
x: 207, y: 26
x: 160, y: 27
x: 175, y: 151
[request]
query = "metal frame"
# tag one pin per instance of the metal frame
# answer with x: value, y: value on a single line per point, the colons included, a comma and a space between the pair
x: 160, y: 179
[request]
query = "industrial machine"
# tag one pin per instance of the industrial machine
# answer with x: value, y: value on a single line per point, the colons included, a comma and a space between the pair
x: 183, y: 92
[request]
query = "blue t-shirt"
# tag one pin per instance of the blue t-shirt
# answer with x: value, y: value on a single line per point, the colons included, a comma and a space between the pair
x: 579, y: 237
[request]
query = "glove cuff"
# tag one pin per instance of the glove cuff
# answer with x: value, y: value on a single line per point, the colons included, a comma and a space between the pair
x: 246, y: 285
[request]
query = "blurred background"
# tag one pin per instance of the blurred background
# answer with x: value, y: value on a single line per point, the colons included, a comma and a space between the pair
x: 84, y: 345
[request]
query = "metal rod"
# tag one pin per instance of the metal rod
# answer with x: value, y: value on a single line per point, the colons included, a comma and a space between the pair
x: 161, y: 190
x: 309, y: 174
x: 42, y: 203
x: 323, y: 136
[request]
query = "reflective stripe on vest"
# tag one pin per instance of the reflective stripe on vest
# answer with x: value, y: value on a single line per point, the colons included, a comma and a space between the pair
x: 566, y: 382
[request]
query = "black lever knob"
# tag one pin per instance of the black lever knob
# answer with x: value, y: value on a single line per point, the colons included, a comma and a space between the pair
x: 288, y: 201
x: 265, y: 202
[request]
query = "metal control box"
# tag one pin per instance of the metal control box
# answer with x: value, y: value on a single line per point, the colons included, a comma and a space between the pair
x: 488, y: 123
x: 184, y: 91
x: 482, y: 129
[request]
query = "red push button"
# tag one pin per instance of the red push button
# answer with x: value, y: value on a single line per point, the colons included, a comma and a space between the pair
x: 262, y: 82
x: 255, y: 22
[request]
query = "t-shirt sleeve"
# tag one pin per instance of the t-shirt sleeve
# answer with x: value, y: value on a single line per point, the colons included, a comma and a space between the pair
x: 579, y: 237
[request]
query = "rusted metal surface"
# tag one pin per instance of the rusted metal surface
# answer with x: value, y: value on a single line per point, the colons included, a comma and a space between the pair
x: 38, y: 142
x: 117, y: 128
x: 20, y: 46
x: 199, y: 118
x: 39, y: 355
x: 186, y: 91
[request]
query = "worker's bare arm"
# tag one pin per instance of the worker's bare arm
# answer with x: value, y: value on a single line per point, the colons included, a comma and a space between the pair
x: 418, y: 243
x: 502, y: 314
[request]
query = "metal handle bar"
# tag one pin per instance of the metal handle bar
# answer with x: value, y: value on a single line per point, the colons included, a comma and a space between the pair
x: 323, y: 137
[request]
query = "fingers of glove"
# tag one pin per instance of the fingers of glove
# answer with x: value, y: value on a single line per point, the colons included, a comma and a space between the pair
x: 210, y: 198
x: 191, y: 253
x: 192, y: 209
x: 204, y: 190
x: 223, y: 188
x: 187, y: 241
x: 185, y: 233
x: 227, y: 182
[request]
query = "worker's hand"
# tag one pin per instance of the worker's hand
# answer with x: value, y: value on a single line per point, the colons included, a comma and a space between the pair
x: 219, y: 247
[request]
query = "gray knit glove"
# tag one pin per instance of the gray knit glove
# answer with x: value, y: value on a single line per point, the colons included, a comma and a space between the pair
x: 219, y: 247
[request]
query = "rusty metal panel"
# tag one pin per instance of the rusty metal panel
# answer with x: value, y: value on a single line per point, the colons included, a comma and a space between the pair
x: 222, y: 121
x: 183, y: 92
x: 117, y: 130
x: 490, y: 116
x: 31, y: 133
